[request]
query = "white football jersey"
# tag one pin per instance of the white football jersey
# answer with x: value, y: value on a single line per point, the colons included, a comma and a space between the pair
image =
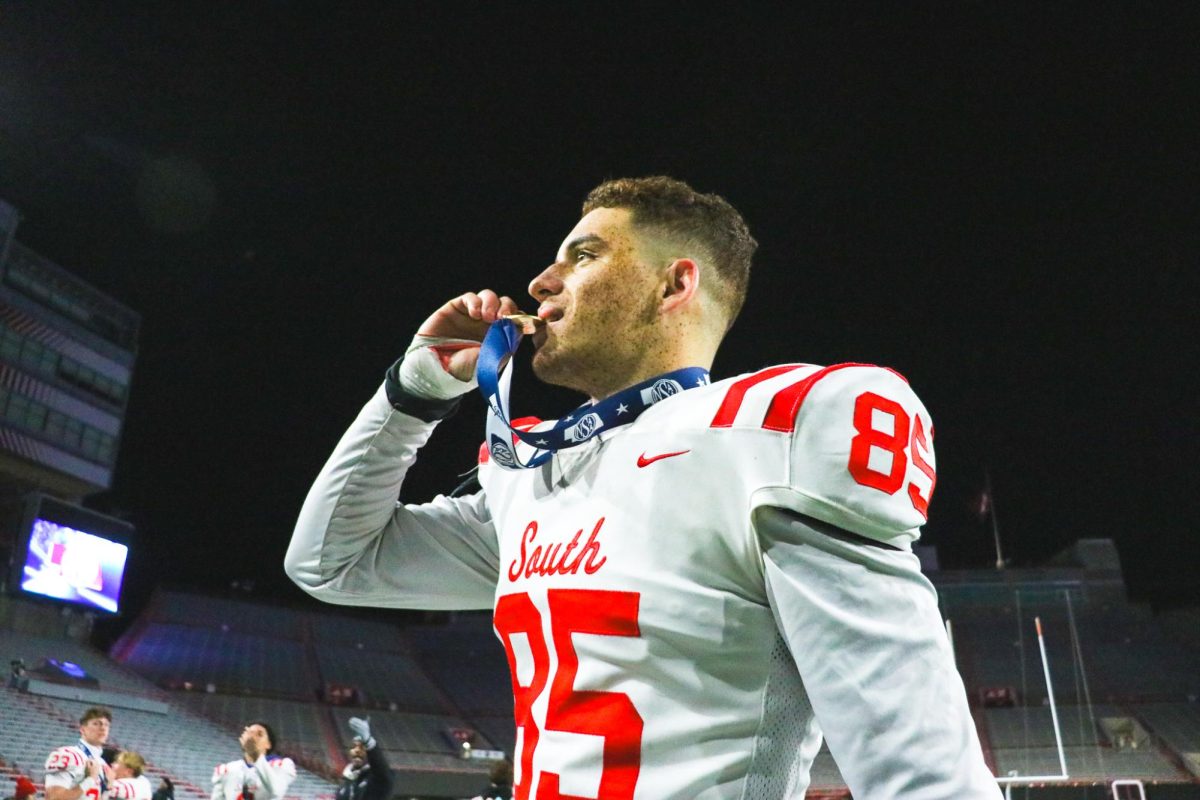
x: 67, y: 767
x: 631, y: 598
x: 650, y: 635
x: 135, y: 788
x: 268, y: 778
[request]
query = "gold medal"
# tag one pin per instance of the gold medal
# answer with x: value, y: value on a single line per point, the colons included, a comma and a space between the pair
x: 526, y: 323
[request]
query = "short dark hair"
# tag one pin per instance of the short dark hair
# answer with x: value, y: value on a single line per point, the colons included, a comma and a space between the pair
x: 708, y: 220
x: 95, y: 712
x: 270, y: 734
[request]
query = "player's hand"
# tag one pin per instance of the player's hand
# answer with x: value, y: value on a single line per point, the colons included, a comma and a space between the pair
x: 468, y: 317
x: 251, y: 742
x: 92, y: 768
x: 362, y: 731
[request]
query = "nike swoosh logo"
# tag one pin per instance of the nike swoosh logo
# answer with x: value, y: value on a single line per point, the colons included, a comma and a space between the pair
x: 645, y: 462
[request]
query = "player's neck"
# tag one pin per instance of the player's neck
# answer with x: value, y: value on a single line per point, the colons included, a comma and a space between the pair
x: 686, y: 347
x: 645, y: 372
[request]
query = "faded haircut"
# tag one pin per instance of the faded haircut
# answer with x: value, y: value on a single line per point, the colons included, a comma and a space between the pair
x: 707, y: 221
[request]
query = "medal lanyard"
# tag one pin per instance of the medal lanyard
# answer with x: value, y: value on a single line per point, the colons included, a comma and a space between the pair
x: 100, y: 777
x: 502, y: 340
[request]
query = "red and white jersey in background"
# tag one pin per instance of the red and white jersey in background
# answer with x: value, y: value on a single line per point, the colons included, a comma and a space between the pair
x: 135, y: 788
x: 649, y: 634
x: 268, y: 778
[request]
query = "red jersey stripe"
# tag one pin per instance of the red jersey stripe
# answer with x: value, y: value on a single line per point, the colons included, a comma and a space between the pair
x: 785, y: 405
x: 737, y: 393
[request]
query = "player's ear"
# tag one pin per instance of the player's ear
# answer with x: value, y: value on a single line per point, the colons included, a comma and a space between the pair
x: 681, y: 285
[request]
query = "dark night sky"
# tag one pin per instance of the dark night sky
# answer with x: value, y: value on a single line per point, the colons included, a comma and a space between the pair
x: 996, y: 202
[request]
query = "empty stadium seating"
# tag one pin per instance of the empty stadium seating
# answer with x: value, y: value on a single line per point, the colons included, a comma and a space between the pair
x: 467, y: 642
x: 1088, y: 763
x: 171, y: 654
x: 1178, y: 726
x: 299, y: 726
x: 382, y: 678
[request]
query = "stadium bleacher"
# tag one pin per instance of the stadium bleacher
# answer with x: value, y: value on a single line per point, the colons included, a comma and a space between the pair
x: 1089, y: 764
x: 382, y: 678
x: 181, y: 744
x: 467, y: 641
x: 171, y: 654
x: 299, y: 725
x: 330, y: 630
x: 218, y: 663
x: 230, y: 672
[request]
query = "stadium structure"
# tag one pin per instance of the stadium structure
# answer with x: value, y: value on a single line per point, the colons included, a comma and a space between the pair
x: 67, y: 352
x: 1104, y: 704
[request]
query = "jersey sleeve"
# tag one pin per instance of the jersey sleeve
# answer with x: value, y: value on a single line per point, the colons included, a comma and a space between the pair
x: 864, y: 630
x: 65, y: 768
x: 218, y: 781
x: 861, y: 452
x: 276, y: 775
x: 355, y: 545
x: 127, y: 789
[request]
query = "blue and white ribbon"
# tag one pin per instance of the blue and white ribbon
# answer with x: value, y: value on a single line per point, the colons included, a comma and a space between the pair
x: 502, y: 340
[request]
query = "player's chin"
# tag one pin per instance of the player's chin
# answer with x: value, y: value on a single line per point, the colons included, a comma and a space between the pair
x: 548, y: 364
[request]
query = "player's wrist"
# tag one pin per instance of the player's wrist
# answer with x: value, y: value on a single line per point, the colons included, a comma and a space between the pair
x: 425, y: 370
x: 407, y: 402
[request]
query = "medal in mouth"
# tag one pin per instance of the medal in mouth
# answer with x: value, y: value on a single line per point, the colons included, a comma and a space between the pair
x: 526, y: 323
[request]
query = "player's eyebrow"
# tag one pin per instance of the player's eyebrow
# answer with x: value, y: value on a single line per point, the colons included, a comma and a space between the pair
x: 586, y: 240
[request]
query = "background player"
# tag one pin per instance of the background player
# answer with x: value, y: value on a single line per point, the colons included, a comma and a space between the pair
x: 78, y: 770
x: 259, y: 774
x: 128, y: 781
x: 698, y: 568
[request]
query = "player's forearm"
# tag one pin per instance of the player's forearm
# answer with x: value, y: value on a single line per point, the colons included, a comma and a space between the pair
x: 354, y: 496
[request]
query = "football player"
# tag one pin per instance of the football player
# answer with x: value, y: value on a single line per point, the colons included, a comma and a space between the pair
x: 693, y: 580
x: 259, y: 774
x: 128, y: 781
x: 78, y: 770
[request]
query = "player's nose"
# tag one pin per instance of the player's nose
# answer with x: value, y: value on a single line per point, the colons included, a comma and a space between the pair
x: 547, y: 283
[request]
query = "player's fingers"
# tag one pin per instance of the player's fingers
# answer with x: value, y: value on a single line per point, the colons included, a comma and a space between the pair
x: 489, y: 305
x: 464, y: 317
x: 471, y: 304
x: 508, y: 306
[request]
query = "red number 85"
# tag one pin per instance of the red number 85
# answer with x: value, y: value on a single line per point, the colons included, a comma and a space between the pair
x: 907, y: 434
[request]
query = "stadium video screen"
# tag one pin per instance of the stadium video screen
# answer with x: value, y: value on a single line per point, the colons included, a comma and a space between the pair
x: 73, y: 566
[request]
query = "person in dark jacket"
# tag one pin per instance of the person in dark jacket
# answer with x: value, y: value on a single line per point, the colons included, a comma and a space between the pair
x: 165, y: 790
x: 367, y: 776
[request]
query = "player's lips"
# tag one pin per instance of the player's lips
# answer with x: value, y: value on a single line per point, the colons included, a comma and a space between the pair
x: 549, y: 313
